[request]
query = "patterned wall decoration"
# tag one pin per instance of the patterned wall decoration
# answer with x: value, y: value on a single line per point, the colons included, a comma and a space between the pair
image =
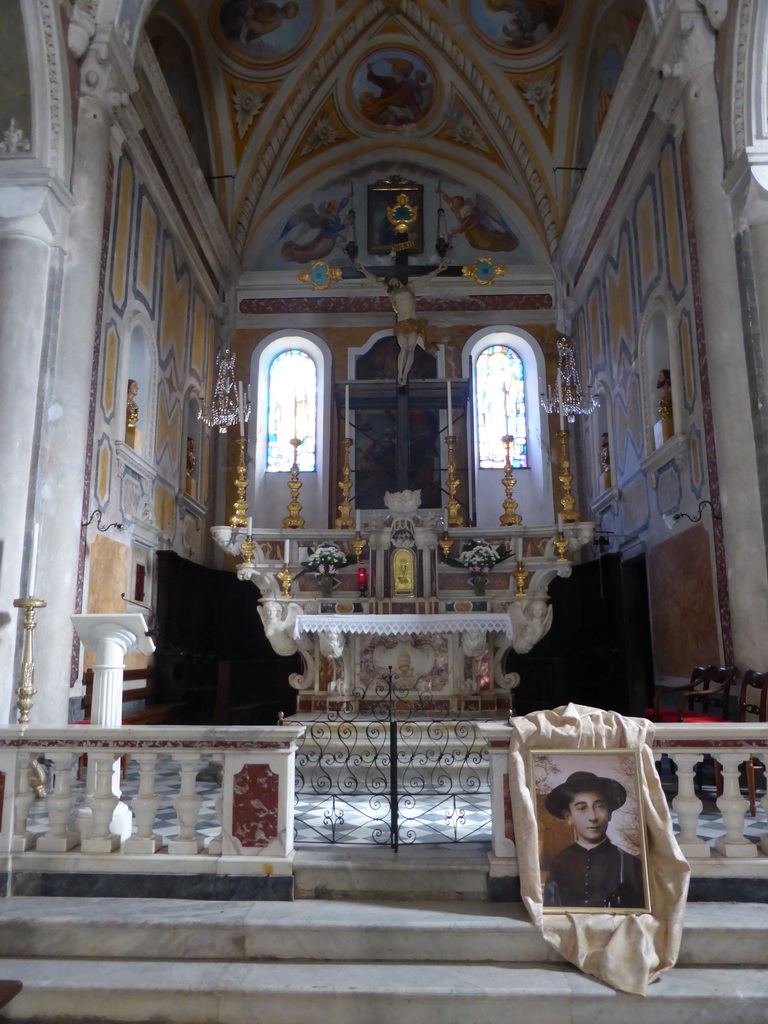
x: 260, y: 34
x: 170, y: 311
x: 648, y: 260
x: 509, y: 26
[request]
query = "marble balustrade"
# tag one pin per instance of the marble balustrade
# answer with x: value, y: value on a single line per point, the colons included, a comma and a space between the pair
x: 256, y: 807
x: 255, y: 810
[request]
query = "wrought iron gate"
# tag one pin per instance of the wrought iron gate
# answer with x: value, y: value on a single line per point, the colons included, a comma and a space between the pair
x: 392, y: 768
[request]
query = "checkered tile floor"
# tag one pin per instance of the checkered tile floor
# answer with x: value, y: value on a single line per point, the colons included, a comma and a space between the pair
x: 366, y: 819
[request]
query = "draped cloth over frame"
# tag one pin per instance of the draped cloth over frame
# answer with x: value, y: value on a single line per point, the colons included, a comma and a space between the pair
x: 627, y: 951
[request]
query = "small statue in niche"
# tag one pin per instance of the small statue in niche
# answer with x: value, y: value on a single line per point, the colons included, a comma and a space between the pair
x: 664, y: 385
x: 191, y: 462
x: 131, y: 408
x: 408, y: 327
x: 605, y: 460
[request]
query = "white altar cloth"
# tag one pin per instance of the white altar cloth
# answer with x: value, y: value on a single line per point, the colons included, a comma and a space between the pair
x: 404, y: 625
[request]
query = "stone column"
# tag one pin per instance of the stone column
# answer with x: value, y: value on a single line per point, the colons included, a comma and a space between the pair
x: 32, y: 219
x: 686, y: 53
x: 64, y: 434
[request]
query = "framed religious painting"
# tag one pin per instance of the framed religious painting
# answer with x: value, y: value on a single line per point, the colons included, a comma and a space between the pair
x: 592, y: 846
x: 393, y: 202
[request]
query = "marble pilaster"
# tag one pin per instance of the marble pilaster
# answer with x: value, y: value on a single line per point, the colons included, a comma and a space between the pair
x: 686, y: 53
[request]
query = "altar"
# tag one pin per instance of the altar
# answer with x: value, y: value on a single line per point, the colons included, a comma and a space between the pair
x: 402, y: 605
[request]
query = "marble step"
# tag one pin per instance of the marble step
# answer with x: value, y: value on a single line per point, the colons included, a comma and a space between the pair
x: 321, y: 931
x: 83, y: 992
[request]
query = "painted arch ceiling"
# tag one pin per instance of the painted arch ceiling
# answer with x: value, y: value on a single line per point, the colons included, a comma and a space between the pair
x: 294, y: 108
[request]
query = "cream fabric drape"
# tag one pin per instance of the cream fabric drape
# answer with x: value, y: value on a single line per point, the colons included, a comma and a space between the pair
x: 628, y: 951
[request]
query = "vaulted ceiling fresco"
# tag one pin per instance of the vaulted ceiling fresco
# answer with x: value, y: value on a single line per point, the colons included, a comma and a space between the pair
x: 294, y: 108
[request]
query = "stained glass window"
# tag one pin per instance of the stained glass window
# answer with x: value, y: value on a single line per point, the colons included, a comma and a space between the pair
x: 291, y: 411
x: 500, y: 407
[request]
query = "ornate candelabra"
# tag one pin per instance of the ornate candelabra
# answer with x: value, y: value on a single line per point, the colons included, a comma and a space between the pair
x: 561, y: 543
x: 521, y: 574
x: 358, y: 544
x: 511, y: 516
x: 285, y: 578
x: 344, y: 518
x: 445, y: 544
x: 294, y: 520
x: 570, y: 515
x: 248, y: 547
x: 452, y: 485
x: 239, y: 517
x: 26, y: 690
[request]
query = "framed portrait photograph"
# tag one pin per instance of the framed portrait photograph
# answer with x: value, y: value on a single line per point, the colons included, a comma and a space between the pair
x: 593, y: 853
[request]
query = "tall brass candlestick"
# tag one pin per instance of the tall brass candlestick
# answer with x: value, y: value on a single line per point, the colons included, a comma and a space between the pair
x: 241, y: 483
x: 511, y: 516
x: 455, y: 517
x: 344, y: 518
x: 293, y: 520
x: 570, y: 515
x: 26, y: 690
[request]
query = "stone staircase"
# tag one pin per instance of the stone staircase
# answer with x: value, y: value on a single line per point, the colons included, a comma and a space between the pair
x: 362, y: 959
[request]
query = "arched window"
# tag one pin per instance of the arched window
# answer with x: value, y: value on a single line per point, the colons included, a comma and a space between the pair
x: 500, y: 407
x: 291, y: 411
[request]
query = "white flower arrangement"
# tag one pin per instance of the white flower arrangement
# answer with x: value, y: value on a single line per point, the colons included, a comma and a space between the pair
x: 325, y: 560
x: 480, y: 557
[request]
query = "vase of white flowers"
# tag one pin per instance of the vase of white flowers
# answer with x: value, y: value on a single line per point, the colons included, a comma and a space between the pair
x: 325, y: 561
x: 479, y: 557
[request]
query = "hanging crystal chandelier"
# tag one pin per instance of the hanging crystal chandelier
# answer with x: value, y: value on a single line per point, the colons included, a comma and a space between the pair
x: 227, y: 407
x: 568, y: 399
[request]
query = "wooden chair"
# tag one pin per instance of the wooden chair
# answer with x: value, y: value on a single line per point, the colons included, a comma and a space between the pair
x: 753, y: 701
x: 706, y: 682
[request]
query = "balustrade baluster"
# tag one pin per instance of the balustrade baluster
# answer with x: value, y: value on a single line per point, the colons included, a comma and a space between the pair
x: 145, y: 805
x: 733, y: 807
x: 688, y: 806
x: 59, y: 838
x: 102, y: 803
x: 187, y: 806
x: 22, y: 839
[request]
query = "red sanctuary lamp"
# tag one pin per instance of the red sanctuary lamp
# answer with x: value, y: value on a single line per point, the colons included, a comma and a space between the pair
x: 362, y: 580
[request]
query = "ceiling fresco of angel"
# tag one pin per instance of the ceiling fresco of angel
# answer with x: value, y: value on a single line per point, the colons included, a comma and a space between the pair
x: 256, y: 31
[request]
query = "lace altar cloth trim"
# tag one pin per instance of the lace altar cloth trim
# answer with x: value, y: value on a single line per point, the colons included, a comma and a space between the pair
x: 399, y: 625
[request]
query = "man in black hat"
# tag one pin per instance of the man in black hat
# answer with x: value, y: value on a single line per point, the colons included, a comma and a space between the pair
x: 591, y: 872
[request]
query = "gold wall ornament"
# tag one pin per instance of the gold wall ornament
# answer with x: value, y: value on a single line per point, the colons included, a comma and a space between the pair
x: 510, y: 517
x: 26, y: 690
x: 568, y: 502
x: 344, y: 519
x: 357, y: 545
x: 483, y: 270
x: 445, y: 544
x: 321, y: 275
x: 294, y: 520
x: 521, y: 574
x: 239, y: 517
x: 247, y: 548
x: 403, y: 214
x: 561, y: 543
x: 403, y: 571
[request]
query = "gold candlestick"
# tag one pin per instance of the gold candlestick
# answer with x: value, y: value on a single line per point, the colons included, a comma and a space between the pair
x: 248, y: 547
x: 521, y: 574
x: 570, y: 515
x: 561, y: 543
x: 285, y: 578
x: 344, y: 518
x: 293, y: 520
x: 445, y: 544
x: 241, y: 483
x: 26, y: 690
x: 510, y: 517
x: 357, y: 545
x: 452, y: 485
